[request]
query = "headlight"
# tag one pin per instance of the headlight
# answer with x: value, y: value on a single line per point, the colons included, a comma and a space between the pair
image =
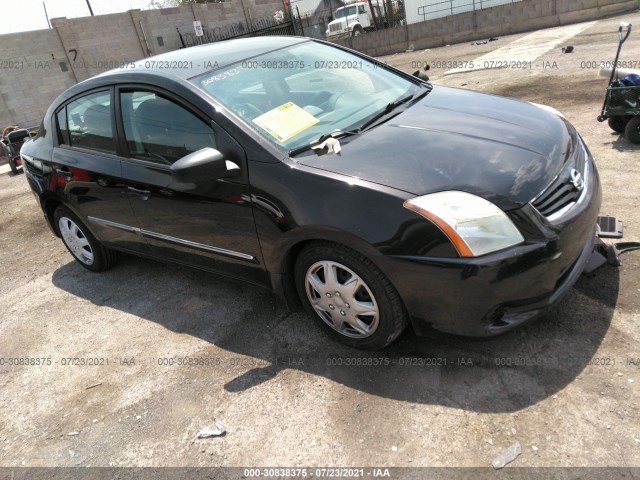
x: 474, y: 225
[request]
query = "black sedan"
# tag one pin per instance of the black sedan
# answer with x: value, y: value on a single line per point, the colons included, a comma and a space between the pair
x: 369, y: 195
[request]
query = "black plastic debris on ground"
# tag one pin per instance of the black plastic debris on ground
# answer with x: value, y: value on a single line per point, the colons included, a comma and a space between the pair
x: 483, y: 42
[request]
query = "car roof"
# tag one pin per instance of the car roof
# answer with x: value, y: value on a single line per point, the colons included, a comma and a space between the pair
x: 190, y: 62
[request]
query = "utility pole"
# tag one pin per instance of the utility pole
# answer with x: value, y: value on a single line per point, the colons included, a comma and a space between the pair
x: 46, y: 14
x: 373, y: 13
x: 90, y: 9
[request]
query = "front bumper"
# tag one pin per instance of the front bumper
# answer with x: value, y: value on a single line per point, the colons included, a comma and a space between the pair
x: 495, y: 293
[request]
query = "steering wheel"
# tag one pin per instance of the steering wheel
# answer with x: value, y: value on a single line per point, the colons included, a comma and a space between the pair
x: 247, y: 111
x: 330, y: 104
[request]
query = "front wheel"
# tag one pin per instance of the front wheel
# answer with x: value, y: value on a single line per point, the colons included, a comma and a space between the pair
x: 350, y: 297
x: 632, y: 130
x: 357, y: 31
x: 84, y: 247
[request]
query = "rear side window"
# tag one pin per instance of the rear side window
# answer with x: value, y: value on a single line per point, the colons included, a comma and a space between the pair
x: 159, y: 130
x: 88, y: 123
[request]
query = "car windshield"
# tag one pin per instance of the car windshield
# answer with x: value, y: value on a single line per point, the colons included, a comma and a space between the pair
x: 344, y: 12
x: 293, y: 96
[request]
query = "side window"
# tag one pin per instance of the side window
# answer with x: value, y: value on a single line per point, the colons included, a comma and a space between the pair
x: 88, y: 123
x: 159, y: 130
x: 361, y: 9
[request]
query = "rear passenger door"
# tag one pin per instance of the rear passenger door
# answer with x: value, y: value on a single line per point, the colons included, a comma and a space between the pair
x: 208, y: 224
x: 87, y: 169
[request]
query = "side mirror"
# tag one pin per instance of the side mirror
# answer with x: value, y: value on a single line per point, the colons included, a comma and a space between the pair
x: 204, y: 164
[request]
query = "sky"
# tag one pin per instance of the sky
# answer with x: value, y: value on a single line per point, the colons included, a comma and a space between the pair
x: 24, y: 15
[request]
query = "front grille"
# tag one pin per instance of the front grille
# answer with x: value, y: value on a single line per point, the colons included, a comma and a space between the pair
x: 31, y: 169
x: 565, y: 189
x: 555, y: 198
x: 336, y: 27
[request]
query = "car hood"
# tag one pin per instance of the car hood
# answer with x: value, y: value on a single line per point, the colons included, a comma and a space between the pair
x: 504, y: 150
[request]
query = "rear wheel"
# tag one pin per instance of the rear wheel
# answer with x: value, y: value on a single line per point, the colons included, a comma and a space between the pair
x: 617, y: 124
x: 350, y: 297
x: 84, y: 247
x: 632, y: 130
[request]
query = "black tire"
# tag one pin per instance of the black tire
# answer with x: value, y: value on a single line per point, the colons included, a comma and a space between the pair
x: 101, y: 259
x: 632, y: 130
x: 14, y: 168
x: 373, y: 288
x: 618, y: 124
x: 357, y: 31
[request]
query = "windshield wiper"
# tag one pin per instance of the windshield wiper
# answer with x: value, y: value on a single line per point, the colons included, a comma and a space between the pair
x: 390, y: 107
x: 339, y: 133
x: 335, y: 134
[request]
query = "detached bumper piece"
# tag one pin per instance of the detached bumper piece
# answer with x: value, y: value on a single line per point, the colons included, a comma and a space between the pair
x: 609, y: 227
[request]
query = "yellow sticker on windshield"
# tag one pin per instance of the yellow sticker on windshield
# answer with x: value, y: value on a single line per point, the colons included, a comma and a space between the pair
x: 285, y: 121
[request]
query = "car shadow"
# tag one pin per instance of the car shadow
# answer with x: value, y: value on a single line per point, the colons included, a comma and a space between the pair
x: 502, y: 374
x: 621, y: 144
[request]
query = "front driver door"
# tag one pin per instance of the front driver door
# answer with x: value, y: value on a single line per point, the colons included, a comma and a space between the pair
x: 208, y: 224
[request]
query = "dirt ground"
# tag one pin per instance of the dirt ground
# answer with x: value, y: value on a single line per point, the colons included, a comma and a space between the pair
x: 566, y: 387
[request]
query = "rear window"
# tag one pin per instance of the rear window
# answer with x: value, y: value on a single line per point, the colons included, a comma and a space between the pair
x: 86, y: 123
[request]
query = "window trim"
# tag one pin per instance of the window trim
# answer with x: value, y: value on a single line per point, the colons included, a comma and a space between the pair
x: 57, y: 144
x: 140, y: 87
x: 59, y: 134
x: 221, y: 134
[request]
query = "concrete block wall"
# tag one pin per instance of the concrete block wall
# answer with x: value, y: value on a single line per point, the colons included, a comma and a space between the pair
x: 49, y: 61
x: 262, y: 8
x: 216, y: 16
x: 91, y: 45
x: 97, y: 44
x: 31, y: 75
x: 505, y: 19
x: 162, y: 23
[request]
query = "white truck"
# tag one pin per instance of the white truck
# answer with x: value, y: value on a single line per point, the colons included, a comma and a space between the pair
x: 353, y: 19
